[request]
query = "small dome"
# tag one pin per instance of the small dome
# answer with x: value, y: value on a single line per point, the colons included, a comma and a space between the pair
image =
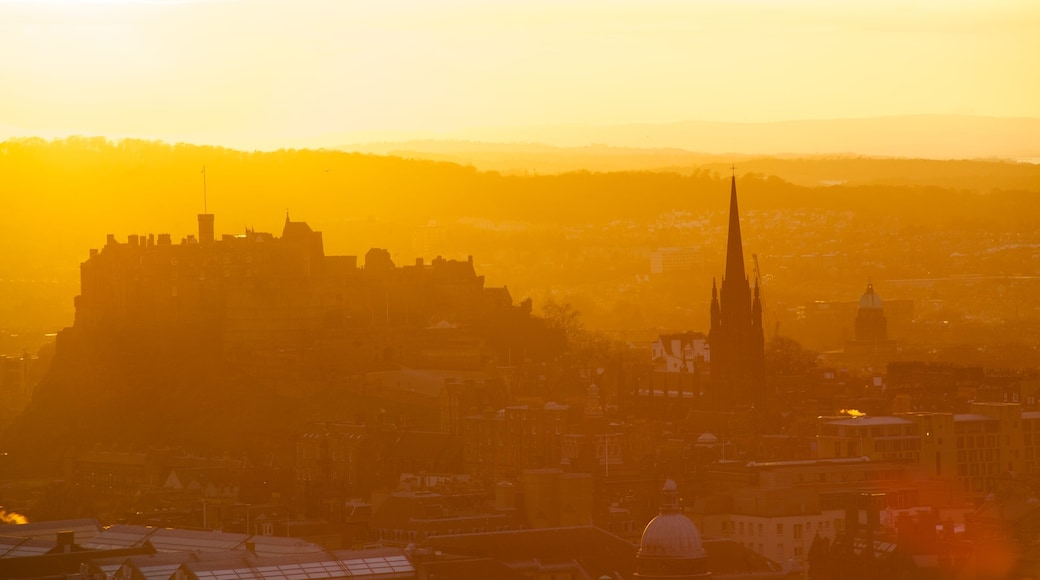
x: 671, y: 534
x: 707, y: 439
x: 870, y: 300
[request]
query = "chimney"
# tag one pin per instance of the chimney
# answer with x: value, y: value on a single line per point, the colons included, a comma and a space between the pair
x: 65, y: 541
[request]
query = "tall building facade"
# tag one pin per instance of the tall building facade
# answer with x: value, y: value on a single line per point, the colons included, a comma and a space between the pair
x: 736, y: 336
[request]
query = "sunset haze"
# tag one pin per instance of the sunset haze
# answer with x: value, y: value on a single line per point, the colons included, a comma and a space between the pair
x: 268, y: 74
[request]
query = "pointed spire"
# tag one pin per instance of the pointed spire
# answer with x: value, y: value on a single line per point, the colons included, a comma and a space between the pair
x: 734, y: 246
x: 714, y: 289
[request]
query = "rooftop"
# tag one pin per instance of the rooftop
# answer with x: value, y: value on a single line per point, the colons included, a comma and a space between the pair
x: 870, y: 421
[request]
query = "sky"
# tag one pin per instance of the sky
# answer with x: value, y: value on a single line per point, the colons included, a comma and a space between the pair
x: 265, y: 73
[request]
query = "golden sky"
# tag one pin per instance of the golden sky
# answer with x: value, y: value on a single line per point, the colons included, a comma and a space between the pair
x: 265, y: 73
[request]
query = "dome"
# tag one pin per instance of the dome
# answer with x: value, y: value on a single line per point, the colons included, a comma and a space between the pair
x: 671, y: 534
x: 870, y: 300
x: 707, y: 439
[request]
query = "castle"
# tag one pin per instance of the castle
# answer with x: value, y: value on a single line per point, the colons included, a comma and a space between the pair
x: 255, y: 291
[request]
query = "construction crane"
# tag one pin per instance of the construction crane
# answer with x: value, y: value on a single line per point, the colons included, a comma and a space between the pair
x: 762, y: 297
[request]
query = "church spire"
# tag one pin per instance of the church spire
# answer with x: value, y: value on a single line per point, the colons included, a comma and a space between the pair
x: 734, y: 246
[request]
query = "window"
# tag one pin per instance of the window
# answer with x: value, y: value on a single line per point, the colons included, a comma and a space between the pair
x: 779, y: 529
x: 798, y: 531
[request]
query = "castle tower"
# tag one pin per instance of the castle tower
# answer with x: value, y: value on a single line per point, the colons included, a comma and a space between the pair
x: 736, y: 335
x: 206, y: 228
x: 671, y: 546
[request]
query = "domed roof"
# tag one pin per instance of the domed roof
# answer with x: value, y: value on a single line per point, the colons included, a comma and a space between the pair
x: 671, y: 534
x: 706, y: 439
x: 870, y: 300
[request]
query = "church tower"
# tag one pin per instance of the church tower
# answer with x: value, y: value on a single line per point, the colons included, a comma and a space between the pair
x: 736, y: 336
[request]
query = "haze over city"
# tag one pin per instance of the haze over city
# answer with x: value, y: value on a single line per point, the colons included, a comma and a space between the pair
x: 557, y: 290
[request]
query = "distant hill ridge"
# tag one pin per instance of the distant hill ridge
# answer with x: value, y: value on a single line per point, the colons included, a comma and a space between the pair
x: 921, y: 136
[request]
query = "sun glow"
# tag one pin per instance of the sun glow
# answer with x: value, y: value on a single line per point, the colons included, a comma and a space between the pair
x: 244, y: 72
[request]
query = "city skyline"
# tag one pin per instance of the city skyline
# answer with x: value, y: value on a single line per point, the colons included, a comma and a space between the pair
x: 462, y: 289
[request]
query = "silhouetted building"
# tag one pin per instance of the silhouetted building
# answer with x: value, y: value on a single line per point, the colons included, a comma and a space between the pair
x: 287, y: 313
x: 736, y: 337
x: 17, y: 380
x: 871, y: 346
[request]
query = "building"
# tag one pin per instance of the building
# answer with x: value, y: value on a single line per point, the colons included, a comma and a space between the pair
x: 408, y: 517
x: 777, y: 508
x: 972, y: 450
x: 669, y: 260
x: 871, y: 346
x: 256, y: 289
x: 65, y: 549
x: 503, y: 443
x: 114, y: 474
x: 975, y: 449
x: 887, y: 438
x: 736, y: 336
x: 292, y: 318
x: 671, y: 546
x: 17, y: 380
x: 685, y: 352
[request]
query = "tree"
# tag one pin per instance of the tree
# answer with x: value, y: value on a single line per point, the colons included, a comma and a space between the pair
x: 565, y: 318
x: 786, y: 356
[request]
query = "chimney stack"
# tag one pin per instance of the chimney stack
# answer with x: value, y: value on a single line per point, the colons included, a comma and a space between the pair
x: 65, y: 541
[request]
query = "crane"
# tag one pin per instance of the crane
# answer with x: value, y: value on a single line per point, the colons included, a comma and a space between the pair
x: 761, y: 295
